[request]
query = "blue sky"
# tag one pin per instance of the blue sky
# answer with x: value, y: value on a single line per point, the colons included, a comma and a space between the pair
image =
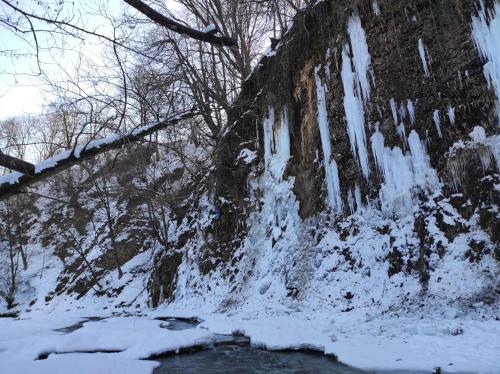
x: 21, y: 91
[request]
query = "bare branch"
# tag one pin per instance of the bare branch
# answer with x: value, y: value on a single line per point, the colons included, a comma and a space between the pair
x: 179, y: 28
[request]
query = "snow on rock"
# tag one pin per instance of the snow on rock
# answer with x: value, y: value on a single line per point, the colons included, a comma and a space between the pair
x: 489, y: 147
x: 331, y: 169
x: 423, y: 58
x: 247, y: 156
x: 486, y: 36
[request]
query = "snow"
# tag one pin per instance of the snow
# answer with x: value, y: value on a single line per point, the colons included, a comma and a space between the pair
x: 486, y: 36
x: 421, y: 51
x: 10, y: 178
x: 387, y: 341
x: 437, y: 122
x: 247, y: 156
x: 478, y: 134
x: 136, y: 338
x: 376, y: 8
x: 331, y: 169
x: 210, y: 29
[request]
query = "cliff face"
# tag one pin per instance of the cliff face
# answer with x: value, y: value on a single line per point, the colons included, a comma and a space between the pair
x: 421, y: 67
x: 361, y: 169
x: 372, y: 115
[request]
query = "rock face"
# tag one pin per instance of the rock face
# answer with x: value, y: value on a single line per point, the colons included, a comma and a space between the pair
x: 389, y: 107
x: 361, y: 169
x: 451, y: 89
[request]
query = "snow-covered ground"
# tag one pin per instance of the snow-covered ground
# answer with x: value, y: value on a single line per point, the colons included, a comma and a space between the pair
x: 359, y: 338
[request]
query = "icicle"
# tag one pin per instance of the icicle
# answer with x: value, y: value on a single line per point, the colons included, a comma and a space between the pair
x: 421, y: 50
x: 350, y: 201
x: 437, y: 122
x: 400, y: 127
x: 420, y: 160
x: 394, y: 111
x: 360, y: 56
x: 402, y: 111
x: 411, y: 111
x: 355, y: 115
x: 331, y: 169
x: 376, y: 8
x: 401, y: 131
x: 451, y: 115
x: 268, y: 137
x: 357, y: 196
x: 378, y: 149
x: 283, y: 145
x: 486, y: 35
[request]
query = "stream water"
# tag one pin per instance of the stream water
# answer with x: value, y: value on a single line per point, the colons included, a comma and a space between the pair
x: 233, y: 354
x: 230, y: 358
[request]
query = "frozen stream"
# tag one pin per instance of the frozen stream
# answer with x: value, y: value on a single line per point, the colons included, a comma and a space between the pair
x: 159, y: 343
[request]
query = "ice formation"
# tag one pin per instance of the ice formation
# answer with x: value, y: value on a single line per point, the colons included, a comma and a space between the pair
x: 276, y: 144
x: 486, y: 35
x: 355, y: 114
x: 401, y: 173
x: 361, y: 58
x: 451, y: 115
x: 356, y: 90
x: 279, y: 199
x: 437, y: 122
x: 400, y: 127
x: 421, y: 51
x: 268, y: 136
x: 376, y: 8
x: 394, y: 111
x: 331, y: 169
x: 411, y: 111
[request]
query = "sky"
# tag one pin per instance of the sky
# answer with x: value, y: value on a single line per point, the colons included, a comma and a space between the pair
x: 21, y: 90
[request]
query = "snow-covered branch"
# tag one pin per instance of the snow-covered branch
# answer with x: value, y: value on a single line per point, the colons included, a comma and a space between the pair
x: 13, y: 182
